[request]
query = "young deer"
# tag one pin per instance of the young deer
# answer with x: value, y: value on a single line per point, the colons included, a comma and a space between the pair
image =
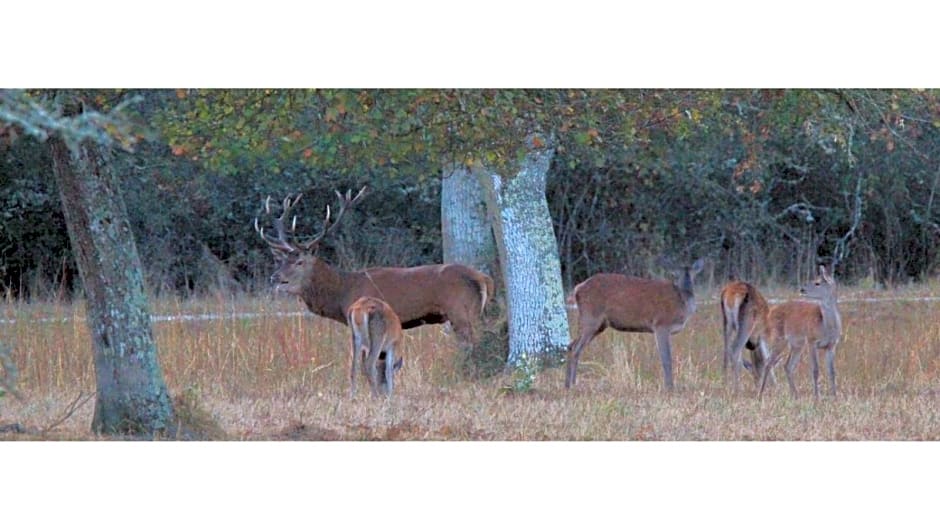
x: 798, y: 325
x: 632, y: 304
x: 376, y: 329
x: 744, y: 317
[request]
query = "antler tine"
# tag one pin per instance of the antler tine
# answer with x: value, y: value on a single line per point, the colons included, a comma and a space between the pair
x: 328, y: 226
x: 280, y: 242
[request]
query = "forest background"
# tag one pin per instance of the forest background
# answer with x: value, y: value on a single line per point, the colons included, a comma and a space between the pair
x: 763, y: 182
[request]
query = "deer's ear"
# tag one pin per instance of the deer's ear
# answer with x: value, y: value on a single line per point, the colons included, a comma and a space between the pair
x: 825, y: 275
x: 697, y: 265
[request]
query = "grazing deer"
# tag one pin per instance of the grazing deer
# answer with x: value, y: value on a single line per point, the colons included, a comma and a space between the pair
x: 632, y: 304
x: 797, y: 325
x: 744, y: 317
x: 419, y: 295
x: 376, y: 329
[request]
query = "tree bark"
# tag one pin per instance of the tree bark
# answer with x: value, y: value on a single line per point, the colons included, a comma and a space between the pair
x: 465, y: 229
x: 528, y: 257
x: 131, y: 395
x: 467, y: 235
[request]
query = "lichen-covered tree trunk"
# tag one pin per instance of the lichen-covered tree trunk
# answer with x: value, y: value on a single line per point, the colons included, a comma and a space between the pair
x: 465, y: 229
x: 467, y: 234
x: 528, y: 255
x: 131, y: 395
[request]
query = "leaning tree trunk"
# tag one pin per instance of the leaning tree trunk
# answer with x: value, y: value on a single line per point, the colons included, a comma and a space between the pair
x: 131, y: 395
x: 528, y: 254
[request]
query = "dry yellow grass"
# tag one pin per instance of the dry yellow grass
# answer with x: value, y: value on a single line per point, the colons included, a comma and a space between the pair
x: 273, y: 377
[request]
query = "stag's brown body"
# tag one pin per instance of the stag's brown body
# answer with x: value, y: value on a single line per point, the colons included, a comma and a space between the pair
x: 744, y: 317
x: 418, y: 295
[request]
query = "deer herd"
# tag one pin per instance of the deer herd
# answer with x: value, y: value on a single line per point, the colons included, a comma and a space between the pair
x: 378, y: 303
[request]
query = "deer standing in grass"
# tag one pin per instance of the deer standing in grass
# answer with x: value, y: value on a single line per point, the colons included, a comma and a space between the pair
x: 797, y: 325
x: 744, y: 314
x: 633, y: 304
x: 376, y: 332
x: 419, y: 295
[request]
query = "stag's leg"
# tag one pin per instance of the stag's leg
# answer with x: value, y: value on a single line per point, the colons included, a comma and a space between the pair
x: 463, y: 327
x: 831, y: 367
x: 664, y: 344
x: 587, y: 330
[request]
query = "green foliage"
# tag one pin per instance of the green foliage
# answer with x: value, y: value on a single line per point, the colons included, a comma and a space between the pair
x: 636, y: 173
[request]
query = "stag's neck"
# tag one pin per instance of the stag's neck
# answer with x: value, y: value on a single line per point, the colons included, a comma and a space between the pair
x: 325, y: 292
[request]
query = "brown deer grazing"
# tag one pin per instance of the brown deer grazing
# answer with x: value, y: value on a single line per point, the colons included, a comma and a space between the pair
x: 744, y: 317
x: 418, y: 295
x: 797, y: 325
x: 632, y: 304
x: 376, y: 330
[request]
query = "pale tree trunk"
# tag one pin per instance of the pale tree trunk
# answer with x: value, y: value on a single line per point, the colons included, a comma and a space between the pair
x: 528, y: 255
x: 467, y: 235
x: 131, y: 395
x: 465, y: 229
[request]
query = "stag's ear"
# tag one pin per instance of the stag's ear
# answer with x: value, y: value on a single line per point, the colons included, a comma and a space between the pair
x: 697, y: 266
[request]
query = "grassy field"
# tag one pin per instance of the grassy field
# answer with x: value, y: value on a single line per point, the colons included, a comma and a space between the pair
x: 272, y: 377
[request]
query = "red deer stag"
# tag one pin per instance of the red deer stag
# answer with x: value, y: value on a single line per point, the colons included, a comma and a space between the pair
x: 376, y: 331
x: 632, y: 304
x: 797, y: 325
x: 744, y: 316
x: 418, y: 295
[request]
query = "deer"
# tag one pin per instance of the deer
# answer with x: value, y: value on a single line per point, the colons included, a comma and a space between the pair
x: 799, y: 324
x: 376, y: 331
x: 428, y: 294
x: 632, y: 304
x: 744, y: 314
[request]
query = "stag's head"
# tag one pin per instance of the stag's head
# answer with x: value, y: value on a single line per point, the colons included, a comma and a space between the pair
x: 297, y: 259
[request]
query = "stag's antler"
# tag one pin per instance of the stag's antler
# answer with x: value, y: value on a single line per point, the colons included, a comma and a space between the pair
x: 280, y: 242
x: 345, y: 203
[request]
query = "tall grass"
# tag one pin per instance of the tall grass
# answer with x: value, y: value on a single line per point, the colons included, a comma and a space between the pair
x: 272, y: 376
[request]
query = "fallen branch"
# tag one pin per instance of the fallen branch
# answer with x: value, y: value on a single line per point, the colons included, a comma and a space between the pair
x: 80, y: 400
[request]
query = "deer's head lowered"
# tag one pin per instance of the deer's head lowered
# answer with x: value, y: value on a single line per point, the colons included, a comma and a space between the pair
x: 297, y: 260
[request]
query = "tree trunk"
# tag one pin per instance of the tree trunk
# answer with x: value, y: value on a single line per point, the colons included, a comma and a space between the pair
x: 467, y: 235
x: 528, y: 255
x: 131, y: 395
x: 466, y: 232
